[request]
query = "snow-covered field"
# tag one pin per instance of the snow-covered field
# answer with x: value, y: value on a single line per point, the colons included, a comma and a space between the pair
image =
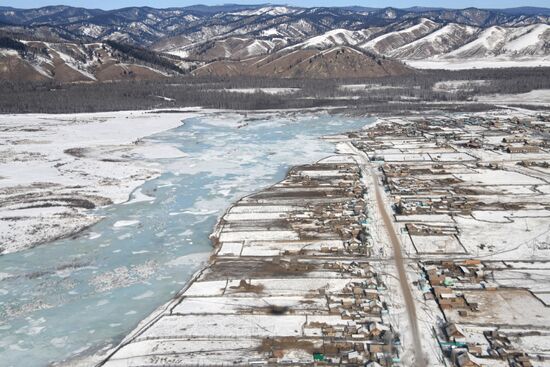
x: 272, y: 91
x: 364, y: 87
x: 55, y: 168
x: 437, y: 244
x: 457, y: 85
x: 502, y: 307
x: 490, y: 62
x: 535, y: 97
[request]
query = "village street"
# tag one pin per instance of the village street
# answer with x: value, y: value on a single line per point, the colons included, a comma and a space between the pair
x: 369, y: 169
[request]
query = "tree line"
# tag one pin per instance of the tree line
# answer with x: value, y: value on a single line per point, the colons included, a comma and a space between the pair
x: 386, y: 94
x: 127, y: 51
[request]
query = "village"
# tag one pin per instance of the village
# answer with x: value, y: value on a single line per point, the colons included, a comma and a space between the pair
x: 306, y: 272
x: 470, y: 200
x: 290, y: 282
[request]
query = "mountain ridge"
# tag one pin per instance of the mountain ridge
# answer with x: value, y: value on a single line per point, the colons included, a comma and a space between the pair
x: 192, y: 37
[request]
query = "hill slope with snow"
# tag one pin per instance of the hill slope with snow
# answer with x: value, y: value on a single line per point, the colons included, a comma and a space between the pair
x: 193, y: 37
x: 496, y: 46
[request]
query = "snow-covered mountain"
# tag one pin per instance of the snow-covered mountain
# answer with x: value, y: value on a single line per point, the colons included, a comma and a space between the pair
x: 196, y: 36
x: 441, y: 41
x: 512, y: 41
x: 387, y: 42
x: 337, y: 37
x: 334, y: 62
x: 72, y: 62
x: 146, y: 26
x: 470, y: 47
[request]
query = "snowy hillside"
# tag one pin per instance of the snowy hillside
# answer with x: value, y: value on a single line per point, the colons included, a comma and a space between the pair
x: 199, y: 35
x: 494, y: 47
x: 439, y: 42
x: 336, y: 37
x: 388, y: 42
x: 69, y: 62
x: 512, y: 41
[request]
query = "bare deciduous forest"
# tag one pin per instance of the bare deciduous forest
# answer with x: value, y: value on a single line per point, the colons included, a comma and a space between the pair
x: 388, y: 94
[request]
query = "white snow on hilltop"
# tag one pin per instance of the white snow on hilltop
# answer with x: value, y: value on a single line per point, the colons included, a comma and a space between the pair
x: 430, y: 45
x: 494, y: 47
x: 497, y: 40
x: 392, y: 40
x: 436, y: 43
x: 269, y: 10
x: 335, y: 37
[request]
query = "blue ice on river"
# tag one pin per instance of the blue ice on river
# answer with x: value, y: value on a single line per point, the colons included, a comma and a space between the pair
x: 74, y: 296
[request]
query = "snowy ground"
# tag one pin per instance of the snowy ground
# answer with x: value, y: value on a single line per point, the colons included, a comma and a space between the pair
x: 535, y: 97
x: 457, y: 85
x: 509, y: 223
x: 462, y: 64
x: 55, y: 168
x: 120, y: 270
x: 272, y: 91
x: 513, y: 307
x: 229, y: 305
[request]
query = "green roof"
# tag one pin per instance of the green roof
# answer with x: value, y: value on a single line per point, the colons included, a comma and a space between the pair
x: 318, y: 357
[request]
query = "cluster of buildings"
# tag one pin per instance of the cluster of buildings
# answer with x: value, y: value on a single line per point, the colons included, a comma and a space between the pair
x: 290, y: 282
x: 369, y: 335
x: 468, y: 334
x: 294, y: 279
x: 470, y: 195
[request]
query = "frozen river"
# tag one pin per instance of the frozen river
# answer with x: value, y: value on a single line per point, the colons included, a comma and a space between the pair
x: 75, y: 296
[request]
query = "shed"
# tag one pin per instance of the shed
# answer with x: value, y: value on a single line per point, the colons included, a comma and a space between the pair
x: 455, y: 333
x: 467, y: 360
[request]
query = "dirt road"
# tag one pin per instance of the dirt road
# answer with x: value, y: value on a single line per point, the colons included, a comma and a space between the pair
x: 400, y: 264
x: 419, y: 359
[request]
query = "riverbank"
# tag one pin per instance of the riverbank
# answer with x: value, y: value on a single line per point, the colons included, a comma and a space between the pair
x: 57, y: 168
x: 287, y: 283
x: 110, y: 277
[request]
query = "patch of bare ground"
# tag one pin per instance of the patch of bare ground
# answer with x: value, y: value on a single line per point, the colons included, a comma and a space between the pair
x: 245, y: 286
x: 274, y: 345
x: 257, y: 269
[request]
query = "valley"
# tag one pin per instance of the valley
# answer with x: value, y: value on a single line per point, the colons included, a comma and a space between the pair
x: 274, y: 185
x: 414, y: 245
